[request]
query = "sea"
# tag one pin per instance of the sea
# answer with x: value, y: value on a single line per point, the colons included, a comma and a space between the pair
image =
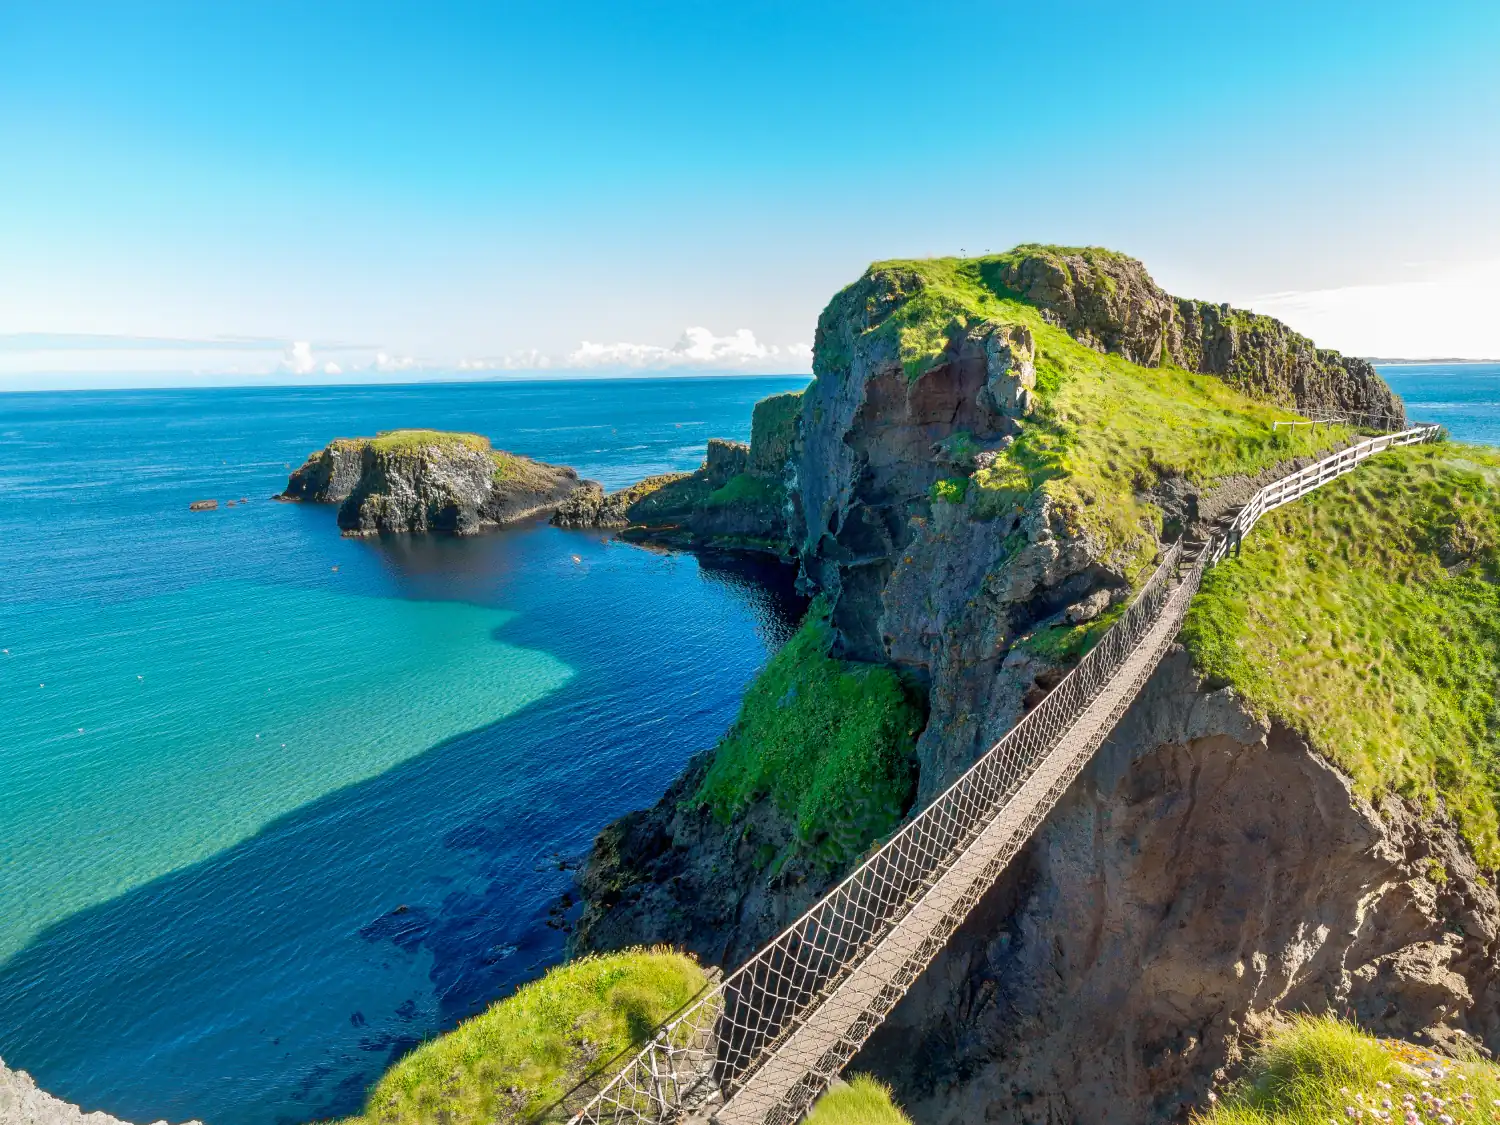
x: 276, y: 805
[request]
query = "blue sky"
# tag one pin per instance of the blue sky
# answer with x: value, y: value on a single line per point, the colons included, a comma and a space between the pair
x: 322, y: 190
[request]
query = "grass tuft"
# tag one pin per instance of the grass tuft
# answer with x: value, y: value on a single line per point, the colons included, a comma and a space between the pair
x: 509, y: 1062
x: 1322, y: 1069
x: 861, y: 1101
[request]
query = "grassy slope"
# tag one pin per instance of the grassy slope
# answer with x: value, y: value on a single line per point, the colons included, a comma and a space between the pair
x: 531, y: 1047
x: 861, y: 1101
x: 1322, y: 1070
x: 1103, y: 426
x: 1367, y: 616
x: 831, y: 743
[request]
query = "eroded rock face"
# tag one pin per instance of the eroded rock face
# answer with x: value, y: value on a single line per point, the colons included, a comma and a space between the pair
x: 453, y: 484
x: 22, y: 1103
x: 1109, y: 302
x: 1205, y: 869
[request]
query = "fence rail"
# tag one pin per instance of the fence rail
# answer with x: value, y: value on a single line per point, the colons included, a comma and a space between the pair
x: 764, y: 1042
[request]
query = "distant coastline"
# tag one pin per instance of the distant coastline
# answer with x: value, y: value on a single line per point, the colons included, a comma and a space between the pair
x: 1382, y: 361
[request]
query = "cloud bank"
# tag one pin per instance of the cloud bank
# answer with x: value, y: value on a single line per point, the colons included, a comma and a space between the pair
x: 697, y: 347
x: 1449, y: 314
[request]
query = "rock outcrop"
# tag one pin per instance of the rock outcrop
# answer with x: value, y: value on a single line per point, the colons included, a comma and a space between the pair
x: 1207, y: 869
x: 429, y: 481
x: 1109, y: 302
x: 737, y: 500
x: 23, y: 1103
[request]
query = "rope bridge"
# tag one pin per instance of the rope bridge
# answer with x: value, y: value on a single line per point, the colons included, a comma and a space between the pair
x: 762, y: 1044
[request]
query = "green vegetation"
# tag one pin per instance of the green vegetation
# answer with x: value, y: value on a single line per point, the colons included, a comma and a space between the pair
x: 773, y: 426
x: 950, y: 490
x: 412, y: 442
x: 747, y: 489
x: 1065, y: 644
x: 1367, y: 616
x: 831, y: 742
x: 861, y: 1101
x: 1320, y: 1070
x: 529, y: 1049
x: 1104, y: 429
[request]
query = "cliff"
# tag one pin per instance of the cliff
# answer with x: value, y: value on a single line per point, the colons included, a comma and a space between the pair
x: 737, y: 500
x: 991, y: 455
x: 429, y: 481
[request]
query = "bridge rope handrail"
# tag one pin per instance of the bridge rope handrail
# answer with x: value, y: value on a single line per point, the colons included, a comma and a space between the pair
x: 707, y: 1053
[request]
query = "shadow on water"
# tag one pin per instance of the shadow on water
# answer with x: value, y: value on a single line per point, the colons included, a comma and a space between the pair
x: 275, y: 981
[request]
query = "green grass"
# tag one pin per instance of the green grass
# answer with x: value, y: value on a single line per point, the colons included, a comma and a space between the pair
x: 1367, y: 616
x: 861, y: 1101
x: 950, y: 490
x: 1104, y: 429
x: 830, y: 742
x: 412, y: 442
x: 527, y: 1050
x: 747, y: 489
x: 773, y: 426
x: 1321, y: 1070
x: 1066, y: 644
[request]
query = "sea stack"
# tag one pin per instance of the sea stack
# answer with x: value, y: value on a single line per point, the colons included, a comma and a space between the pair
x: 422, y: 481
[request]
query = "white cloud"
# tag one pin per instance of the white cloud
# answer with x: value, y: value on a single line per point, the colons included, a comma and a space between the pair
x: 332, y: 369
x: 1452, y: 313
x: 527, y: 360
x: 298, y: 359
x: 386, y: 362
x: 697, y: 347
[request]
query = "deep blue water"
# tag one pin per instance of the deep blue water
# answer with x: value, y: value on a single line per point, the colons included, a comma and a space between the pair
x: 235, y: 745
x: 1465, y: 397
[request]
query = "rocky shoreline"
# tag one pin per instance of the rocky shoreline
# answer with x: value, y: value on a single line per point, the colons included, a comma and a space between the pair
x: 23, y: 1103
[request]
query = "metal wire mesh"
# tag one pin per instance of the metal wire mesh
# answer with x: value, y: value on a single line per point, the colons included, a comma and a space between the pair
x: 761, y: 1045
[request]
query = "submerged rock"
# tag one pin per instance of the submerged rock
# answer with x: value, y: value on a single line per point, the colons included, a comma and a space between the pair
x: 429, y: 481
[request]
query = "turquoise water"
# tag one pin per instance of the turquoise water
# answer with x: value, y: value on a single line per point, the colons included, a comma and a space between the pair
x: 1465, y: 397
x: 234, y: 744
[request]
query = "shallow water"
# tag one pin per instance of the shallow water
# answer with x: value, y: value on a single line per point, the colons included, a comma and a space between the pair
x: 276, y: 804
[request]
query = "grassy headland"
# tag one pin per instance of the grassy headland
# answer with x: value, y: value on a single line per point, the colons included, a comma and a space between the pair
x: 1104, y: 428
x: 1319, y: 1070
x: 1367, y: 616
x: 508, y: 1063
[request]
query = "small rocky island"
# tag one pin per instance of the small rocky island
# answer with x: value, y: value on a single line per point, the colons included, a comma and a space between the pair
x: 429, y: 481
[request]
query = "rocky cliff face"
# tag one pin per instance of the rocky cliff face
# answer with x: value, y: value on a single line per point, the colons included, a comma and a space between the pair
x: 1207, y: 869
x: 427, y: 481
x: 1109, y: 302
x: 737, y: 500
